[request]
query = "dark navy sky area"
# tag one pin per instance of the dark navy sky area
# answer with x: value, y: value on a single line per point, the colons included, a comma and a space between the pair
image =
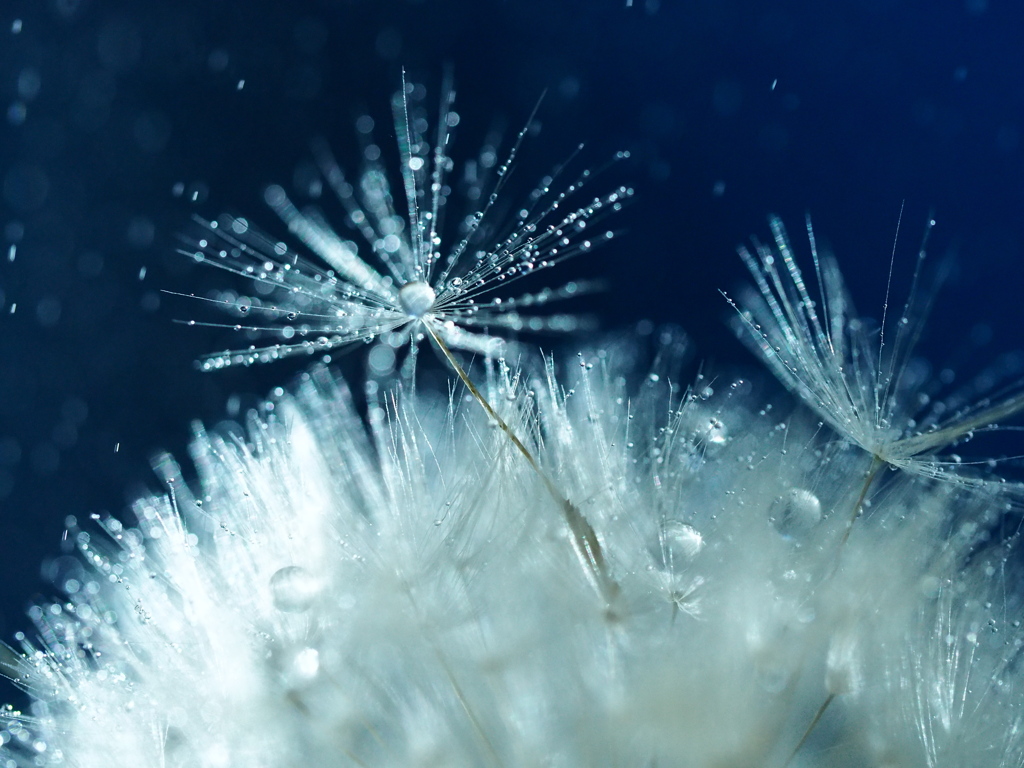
x: 732, y: 110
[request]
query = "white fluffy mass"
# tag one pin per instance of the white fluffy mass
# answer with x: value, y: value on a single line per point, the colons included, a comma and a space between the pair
x: 399, y: 589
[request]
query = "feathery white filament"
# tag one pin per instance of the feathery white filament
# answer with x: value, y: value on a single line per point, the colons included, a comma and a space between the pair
x: 827, y: 356
x: 398, y: 592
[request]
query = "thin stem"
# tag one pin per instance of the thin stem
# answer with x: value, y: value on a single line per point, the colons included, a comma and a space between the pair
x: 807, y: 733
x: 585, y: 543
x: 876, y: 465
x: 858, y: 507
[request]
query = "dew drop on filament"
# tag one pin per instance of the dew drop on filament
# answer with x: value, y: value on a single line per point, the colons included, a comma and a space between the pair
x: 293, y: 589
x: 797, y: 512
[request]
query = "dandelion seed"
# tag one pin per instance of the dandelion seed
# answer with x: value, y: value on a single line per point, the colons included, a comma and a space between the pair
x: 414, y: 276
x: 856, y: 383
x: 412, y: 287
x: 959, y: 660
x: 389, y: 591
x: 829, y: 359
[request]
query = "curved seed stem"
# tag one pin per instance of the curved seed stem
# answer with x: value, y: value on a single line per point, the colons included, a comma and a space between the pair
x: 585, y: 543
x: 858, y: 507
x: 807, y: 733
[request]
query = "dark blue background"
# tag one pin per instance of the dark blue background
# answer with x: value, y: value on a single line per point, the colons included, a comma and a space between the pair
x: 110, y: 104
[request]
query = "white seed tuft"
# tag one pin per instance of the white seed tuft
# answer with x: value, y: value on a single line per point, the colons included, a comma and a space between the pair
x: 396, y: 591
x: 391, y: 267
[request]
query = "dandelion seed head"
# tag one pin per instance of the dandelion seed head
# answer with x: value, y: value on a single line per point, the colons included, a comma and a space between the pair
x: 863, y: 384
x: 394, y: 264
x: 393, y: 590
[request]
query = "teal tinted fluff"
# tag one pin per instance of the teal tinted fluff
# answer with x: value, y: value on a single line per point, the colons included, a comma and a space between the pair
x: 397, y: 591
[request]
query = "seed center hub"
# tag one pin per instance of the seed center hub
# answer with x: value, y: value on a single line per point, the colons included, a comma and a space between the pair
x: 417, y: 298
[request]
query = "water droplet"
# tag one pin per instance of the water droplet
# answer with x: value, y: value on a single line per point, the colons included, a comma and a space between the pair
x: 304, y: 665
x: 797, y: 512
x: 773, y: 677
x: 683, y: 541
x: 716, y: 432
x: 417, y: 298
x: 293, y: 589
